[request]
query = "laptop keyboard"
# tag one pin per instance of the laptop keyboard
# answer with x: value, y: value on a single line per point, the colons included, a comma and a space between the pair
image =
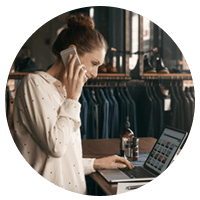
x: 137, y: 172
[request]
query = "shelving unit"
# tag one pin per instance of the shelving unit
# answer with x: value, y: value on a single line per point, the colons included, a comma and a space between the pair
x: 172, y: 76
x: 118, y: 76
x: 101, y: 76
x: 17, y: 75
x: 126, y: 75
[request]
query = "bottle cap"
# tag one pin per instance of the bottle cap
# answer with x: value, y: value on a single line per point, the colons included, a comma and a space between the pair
x: 127, y: 123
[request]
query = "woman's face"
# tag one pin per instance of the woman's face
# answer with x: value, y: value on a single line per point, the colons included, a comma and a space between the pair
x: 92, y: 61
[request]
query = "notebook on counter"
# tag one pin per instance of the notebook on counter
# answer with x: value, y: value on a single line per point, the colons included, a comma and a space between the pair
x: 160, y: 157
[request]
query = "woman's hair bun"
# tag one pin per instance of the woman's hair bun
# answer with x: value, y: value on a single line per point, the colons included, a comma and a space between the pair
x: 79, y: 20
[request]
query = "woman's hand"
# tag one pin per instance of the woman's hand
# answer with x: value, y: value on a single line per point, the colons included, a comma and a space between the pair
x: 112, y: 161
x: 73, y: 78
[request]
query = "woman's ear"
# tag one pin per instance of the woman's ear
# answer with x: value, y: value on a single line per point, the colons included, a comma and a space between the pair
x: 72, y: 45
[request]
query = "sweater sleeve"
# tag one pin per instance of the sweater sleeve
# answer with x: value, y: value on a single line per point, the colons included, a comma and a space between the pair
x: 51, y: 128
x: 88, y: 164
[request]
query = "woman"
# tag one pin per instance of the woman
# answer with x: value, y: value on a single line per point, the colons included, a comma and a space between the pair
x: 47, y: 111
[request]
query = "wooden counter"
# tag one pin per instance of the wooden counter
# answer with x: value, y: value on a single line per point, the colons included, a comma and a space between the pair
x: 107, y: 147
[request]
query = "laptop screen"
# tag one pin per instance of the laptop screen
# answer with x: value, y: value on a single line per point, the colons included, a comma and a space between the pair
x: 165, y: 149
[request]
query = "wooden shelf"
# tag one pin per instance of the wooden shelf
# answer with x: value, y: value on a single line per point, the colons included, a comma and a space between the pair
x: 17, y: 75
x: 20, y: 75
x: 111, y: 74
x: 172, y: 74
x: 118, y: 76
x: 166, y: 76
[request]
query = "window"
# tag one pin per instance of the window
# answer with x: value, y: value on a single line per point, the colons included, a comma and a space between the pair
x: 134, y: 40
x: 154, y: 36
x: 91, y: 13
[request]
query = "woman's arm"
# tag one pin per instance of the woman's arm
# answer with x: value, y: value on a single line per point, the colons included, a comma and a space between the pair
x: 91, y: 165
x: 49, y: 127
x: 112, y: 161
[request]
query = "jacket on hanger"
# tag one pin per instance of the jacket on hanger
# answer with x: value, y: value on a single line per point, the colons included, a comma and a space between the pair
x: 132, y: 113
x: 83, y: 115
x: 145, y: 114
x: 115, y: 119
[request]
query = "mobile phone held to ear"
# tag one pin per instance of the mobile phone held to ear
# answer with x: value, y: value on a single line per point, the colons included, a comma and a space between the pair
x: 65, y: 56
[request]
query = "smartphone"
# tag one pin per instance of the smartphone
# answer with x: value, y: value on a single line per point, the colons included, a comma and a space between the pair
x: 65, y: 56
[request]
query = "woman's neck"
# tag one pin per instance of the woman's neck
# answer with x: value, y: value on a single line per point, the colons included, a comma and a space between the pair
x: 57, y: 70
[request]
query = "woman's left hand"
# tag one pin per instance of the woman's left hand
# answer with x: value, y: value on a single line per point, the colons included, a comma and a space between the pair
x: 73, y: 78
x: 112, y: 161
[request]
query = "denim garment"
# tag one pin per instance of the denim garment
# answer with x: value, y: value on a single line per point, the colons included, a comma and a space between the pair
x: 105, y: 133
x: 111, y: 109
x: 127, y: 103
x: 132, y: 113
x: 115, y: 119
x: 83, y: 115
x: 122, y: 109
x: 90, y: 120
x: 96, y: 115
x: 100, y: 113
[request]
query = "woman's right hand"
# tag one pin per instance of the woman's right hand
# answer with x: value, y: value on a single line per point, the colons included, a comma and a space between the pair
x: 73, y: 78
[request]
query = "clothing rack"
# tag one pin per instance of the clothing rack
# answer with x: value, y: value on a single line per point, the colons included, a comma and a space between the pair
x: 111, y: 77
x: 161, y: 104
x: 108, y: 80
x: 118, y: 76
x: 120, y: 81
x: 100, y: 77
x: 105, y: 108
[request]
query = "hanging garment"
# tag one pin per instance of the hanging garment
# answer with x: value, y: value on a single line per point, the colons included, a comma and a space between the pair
x: 161, y: 96
x: 96, y: 113
x: 157, y: 112
x: 186, y: 111
x: 192, y: 92
x: 122, y: 109
x: 83, y: 115
x: 155, y: 116
x: 145, y: 114
x: 90, y: 119
x: 105, y: 117
x: 127, y: 103
x: 110, y: 115
x: 100, y: 113
x: 189, y: 96
x: 132, y: 113
x: 175, y: 118
x: 181, y: 108
x: 115, y: 119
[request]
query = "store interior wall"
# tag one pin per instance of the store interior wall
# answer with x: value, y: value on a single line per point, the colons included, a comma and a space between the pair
x: 38, y: 46
x: 110, y: 22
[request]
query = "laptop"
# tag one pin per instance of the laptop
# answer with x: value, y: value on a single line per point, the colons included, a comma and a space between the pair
x: 160, y: 157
